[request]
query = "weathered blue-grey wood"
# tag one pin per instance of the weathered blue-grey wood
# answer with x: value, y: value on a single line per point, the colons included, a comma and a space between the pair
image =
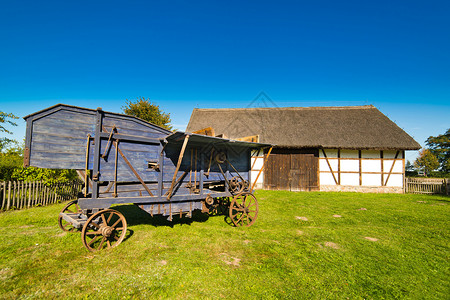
x: 86, y: 203
x: 97, y: 145
x: 146, y: 162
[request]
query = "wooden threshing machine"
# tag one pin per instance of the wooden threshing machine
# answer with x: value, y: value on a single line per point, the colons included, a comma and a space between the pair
x: 123, y: 159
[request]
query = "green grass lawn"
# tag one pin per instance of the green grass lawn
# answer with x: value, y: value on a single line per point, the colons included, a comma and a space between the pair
x: 354, y: 246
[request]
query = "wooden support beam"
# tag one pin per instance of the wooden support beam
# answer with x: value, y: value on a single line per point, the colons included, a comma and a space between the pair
x: 134, y: 171
x: 382, y: 168
x: 260, y: 171
x: 180, y: 158
x: 116, y: 167
x: 130, y: 166
x: 105, y: 153
x: 339, y: 166
x: 360, y: 166
x: 254, y: 162
x: 329, y: 166
x: 392, y: 167
x: 86, y: 166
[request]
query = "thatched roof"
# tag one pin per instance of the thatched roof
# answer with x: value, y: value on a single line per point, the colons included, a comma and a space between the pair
x: 352, y: 127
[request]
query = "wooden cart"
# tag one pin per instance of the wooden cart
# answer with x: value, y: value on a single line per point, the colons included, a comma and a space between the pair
x: 123, y: 160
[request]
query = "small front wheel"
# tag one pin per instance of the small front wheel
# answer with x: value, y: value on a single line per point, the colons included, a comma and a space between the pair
x: 104, y: 229
x: 71, y: 208
x: 243, y: 209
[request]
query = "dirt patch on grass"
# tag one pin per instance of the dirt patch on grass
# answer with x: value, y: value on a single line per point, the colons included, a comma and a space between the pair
x: 337, y: 216
x: 299, y: 232
x: 246, y: 242
x: 329, y: 245
x: 362, y: 208
x: 26, y: 226
x: 301, y: 218
x: 332, y: 245
x: 230, y: 260
x: 371, y: 239
x: 5, y: 273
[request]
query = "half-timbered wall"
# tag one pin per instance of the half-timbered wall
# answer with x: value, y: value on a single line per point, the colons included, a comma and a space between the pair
x: 361, y: 170
x: 257, y: 162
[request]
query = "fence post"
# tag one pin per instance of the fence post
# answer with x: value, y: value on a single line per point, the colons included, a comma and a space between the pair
x: 9, y: 196
x: 29, y: 193
x: 4, y: 195
x: 447, y: 190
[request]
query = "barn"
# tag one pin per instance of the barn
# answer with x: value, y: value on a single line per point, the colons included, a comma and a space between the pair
x: 352, y: 148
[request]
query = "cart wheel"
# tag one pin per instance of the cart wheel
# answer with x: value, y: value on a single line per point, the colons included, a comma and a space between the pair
x: 243, y: 209
x: 73, y: 208
x: 104, y: 229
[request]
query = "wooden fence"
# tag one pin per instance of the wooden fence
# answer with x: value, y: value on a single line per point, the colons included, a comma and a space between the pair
x: 427, y: 185
x: 25, y: 194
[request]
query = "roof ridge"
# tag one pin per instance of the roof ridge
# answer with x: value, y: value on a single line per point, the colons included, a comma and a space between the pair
x: 291, y: 108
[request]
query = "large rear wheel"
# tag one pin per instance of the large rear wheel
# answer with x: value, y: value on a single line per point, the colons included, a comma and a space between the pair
x: 104, y: 229
x: 243, y: 209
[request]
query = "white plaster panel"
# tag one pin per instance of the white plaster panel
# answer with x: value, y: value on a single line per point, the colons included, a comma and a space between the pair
x: 371, y: 179
x: 329, y: 152
x: 326, y: 179
x: 395, y: 180
x: 259, y: 163
x: 350, y: 165
x: 398, y: 166
x: 390, y: 154
x: 349, y: 179
x: 323, y: 165
x: 349, y: 154
x: 370, y: 154
x: 254, y: 174
x: 372, y: 165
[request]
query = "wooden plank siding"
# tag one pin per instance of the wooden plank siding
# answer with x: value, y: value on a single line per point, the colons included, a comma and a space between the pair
x: 292, y: 169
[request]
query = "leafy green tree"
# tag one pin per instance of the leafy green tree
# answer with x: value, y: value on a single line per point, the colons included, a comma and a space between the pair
x: 10, y: 158
x: 5, y: 118
x: 47, y: 176
x: 426, y: 161
x: 10, y: 151
x: 410, y: 169
x: 440, y: 147
x: 145, y: 110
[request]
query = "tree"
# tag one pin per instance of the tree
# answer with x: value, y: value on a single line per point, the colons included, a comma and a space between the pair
x: 47, y: 176
x: 440, y: 147
x: 147, y: 111
x: 410, y: 169
x: 426, y: 161
x: 4, y: 141
x: 10, y: 151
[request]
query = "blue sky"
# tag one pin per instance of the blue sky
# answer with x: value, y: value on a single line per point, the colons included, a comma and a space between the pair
x: 209, y: 54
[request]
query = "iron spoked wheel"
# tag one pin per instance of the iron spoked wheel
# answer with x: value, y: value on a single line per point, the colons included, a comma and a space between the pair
x: 243, y: 209
x: 72, y: 208
x: 104, y: 229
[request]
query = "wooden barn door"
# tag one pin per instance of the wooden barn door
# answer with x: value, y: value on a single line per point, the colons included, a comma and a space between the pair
x: 292, y: 170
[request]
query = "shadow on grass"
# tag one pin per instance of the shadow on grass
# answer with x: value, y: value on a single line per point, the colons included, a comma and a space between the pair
x: 136, y: 216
